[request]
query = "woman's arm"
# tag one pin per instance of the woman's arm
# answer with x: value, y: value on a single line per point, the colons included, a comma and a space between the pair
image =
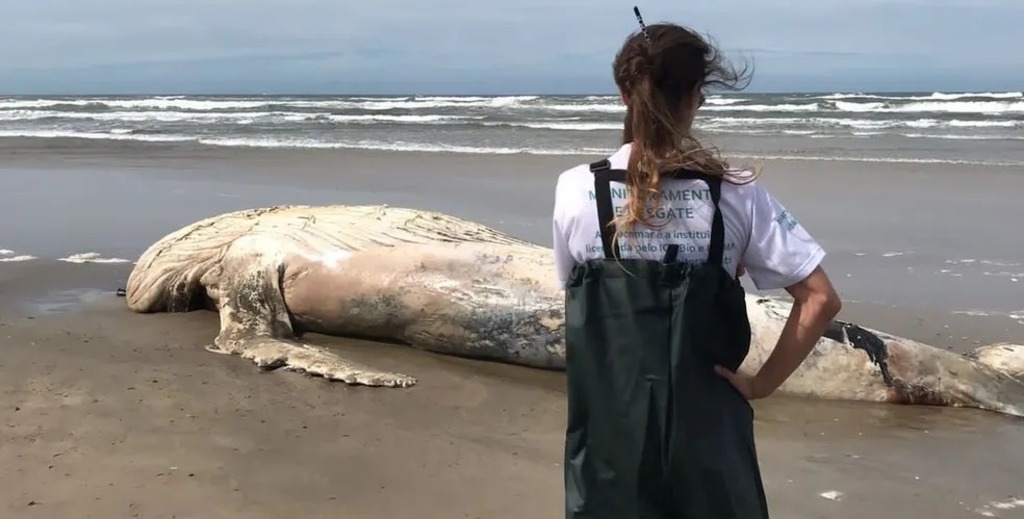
x: 815, y: 304
x: 564, y: 261
x: 782, y: 254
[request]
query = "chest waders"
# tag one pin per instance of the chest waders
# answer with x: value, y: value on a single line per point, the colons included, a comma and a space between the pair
x: 653, y: 432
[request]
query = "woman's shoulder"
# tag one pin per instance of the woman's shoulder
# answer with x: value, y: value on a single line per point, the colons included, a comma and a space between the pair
x: 576, y: 178
x: 581, y: 172
x: 572, y: 190
x: 740, y: 177
x: 741, y: 183
x: 575, y: 172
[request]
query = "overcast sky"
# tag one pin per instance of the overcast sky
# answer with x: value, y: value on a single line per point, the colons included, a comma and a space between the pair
x: 493, y: 46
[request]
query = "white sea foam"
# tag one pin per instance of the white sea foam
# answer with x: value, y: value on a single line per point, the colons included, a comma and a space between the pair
x: 806, y: 126
x: 993, y: 263
x: 120, y: 136
x: 394, y: 146
x: 934, y: 96
x: 1016, y: 316
x: 456, y: 99
x: 230, y: 117
x: 291, y: 142
x: 398, y: 145
x: 981, y: 107
x: 961, y: 107
x: 602, y: 108
x: 980, y: 103
x: 805, y: 107
x: 91, y: 257
x: 413, y: 119
x: 885, y: 160
x: 153, y: 103
x: 9, y: 256
x: 985, y: 124
x: 310, y: 121
x: 975, y: 107
x: 1007, y: 504
x: 1004, y: 274
x: 962, y: 137
x: 863, y: 124
x: 725, y: 100
x: 845, y: 106
x: 249, y: 103
x: 562, y: 126
x: 419, y: 104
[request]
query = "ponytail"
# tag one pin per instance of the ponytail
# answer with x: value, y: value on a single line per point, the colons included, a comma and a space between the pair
x: 658, y: 77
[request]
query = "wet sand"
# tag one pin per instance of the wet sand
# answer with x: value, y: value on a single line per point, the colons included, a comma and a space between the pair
x: 111, y: 414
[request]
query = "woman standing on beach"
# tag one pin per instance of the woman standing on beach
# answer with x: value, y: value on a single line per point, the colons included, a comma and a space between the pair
x: 648, y: 244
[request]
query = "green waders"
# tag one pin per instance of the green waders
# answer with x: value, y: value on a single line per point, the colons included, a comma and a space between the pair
x: 653, y: 432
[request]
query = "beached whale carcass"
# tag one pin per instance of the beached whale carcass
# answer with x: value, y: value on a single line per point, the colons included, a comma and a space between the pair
x: 452, y: 286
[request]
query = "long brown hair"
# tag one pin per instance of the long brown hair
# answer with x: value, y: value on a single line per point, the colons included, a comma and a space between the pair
x: 658, y: 74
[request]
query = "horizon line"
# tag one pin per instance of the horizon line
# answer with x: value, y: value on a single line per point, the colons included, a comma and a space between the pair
x: 474, y: 94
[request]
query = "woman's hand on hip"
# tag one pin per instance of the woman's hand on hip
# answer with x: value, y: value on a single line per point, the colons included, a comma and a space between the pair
x: 745, y: 384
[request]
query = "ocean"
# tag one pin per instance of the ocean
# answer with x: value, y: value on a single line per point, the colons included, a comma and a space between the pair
x: 957, y: 128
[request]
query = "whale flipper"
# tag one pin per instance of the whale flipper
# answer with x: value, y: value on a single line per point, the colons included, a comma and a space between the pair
x: 270, y: 353
x: 255, y: 323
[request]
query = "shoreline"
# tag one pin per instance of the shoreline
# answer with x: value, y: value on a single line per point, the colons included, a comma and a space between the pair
x: 17, y: 147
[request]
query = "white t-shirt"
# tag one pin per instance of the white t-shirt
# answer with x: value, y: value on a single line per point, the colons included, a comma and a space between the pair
x: 760, y: 233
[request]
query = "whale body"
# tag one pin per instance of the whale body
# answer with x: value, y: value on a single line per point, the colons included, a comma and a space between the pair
x: 447, y: 285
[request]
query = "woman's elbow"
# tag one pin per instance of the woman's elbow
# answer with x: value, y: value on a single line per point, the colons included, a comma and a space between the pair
x: 831, y: 304
x: 817, y: 291
x: 827, y: 301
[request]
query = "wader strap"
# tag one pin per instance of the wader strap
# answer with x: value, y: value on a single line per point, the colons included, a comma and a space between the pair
x: 717, y: 249
x: 604, y: 175
x: 672, y: 254
x: 605, y: 212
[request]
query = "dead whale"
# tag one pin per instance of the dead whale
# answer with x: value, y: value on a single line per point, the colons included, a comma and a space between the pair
x: 451, y: 286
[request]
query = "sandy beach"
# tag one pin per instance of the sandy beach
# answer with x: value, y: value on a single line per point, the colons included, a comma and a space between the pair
x: 108, y: 414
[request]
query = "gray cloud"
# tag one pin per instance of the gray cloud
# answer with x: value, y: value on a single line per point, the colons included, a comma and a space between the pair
x: 468, y: 45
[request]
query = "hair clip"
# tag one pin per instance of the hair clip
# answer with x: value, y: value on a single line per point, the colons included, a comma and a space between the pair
x: 643, y: 28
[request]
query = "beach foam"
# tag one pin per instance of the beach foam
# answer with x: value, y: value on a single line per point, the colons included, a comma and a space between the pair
x: 10, y: 256
x: 991, y: 509
x: 833, y: 495
x: 124, y: 135
x: 91, y: 257
x: 919, y: 128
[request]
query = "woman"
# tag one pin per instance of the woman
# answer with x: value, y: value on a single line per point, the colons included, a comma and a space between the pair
x: 648, y: 244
